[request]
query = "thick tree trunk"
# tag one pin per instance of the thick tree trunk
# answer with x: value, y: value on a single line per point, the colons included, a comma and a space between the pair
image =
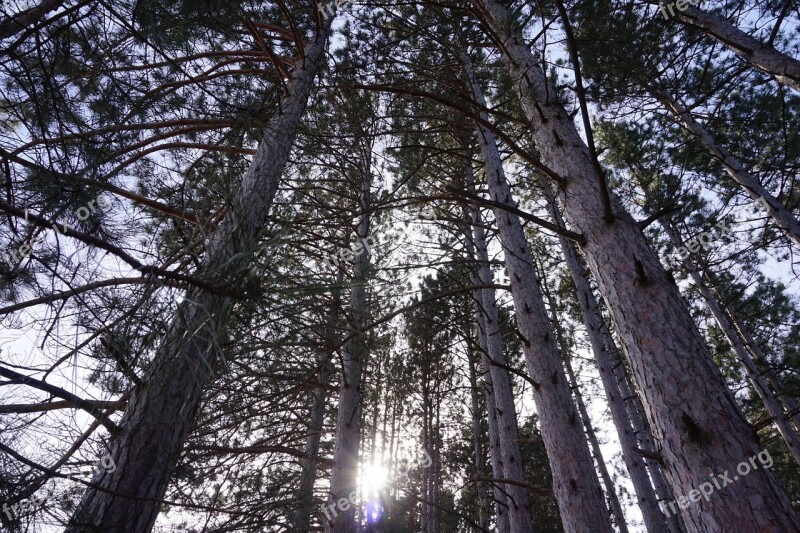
x: 654, y: 519
x: 754, y: 374
x: 575, y: 485
x: 493, y: 362
x: 691, y: 412
x: 159, y: 414
x: 782, y: 217
x: 785, y: 69
x: 344, y: 478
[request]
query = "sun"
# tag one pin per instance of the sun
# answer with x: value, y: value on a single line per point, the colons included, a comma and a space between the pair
x: 373, y: 478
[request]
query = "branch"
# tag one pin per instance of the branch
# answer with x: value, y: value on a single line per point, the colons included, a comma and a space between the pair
x: 42, y: 222
x: 577, y: 237
x: 118, y: 405
x: 80, y: 403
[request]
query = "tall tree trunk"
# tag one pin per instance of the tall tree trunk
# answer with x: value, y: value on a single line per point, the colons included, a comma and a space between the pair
x: 764, y: 57
x: 501, y: 502
x: 611, y: 491
x: 654, y: 519
x: 754, y: 374
x: 317, y: 418
x: 483, y: 518
x: 575, y: 485
x: 159, y: 415
x: 784, y: 218
x: 636, y: 414
x: 344, y: 478
x: 690, y: 410
x: 494, y: 361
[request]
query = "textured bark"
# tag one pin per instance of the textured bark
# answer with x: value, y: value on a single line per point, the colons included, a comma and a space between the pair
x: 754, y: 374
x: 594, y: 444
x: 486, y: 306
x: 692, y: 414
x: 575, y: 485
x: 158, y: 417
x: 654, y: 519
x: 782, y: 217
x: 344, y: 477
x: 785, y: 69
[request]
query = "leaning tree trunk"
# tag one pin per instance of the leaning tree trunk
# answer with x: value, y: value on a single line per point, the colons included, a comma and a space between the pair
x: 784, y: 218
x: 344, y: 478
x: 157, y: 418
x: 754, y: 375
x: 654, y: 519
x: 692, y: 414
x: 575, y: 484
x: 764, y: 57
x: 494, y: 361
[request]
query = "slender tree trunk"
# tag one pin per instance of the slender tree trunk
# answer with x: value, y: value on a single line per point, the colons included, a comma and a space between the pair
x: 754, y: 375
x: 764, y: 57
x: 636, y: 414
x: 782, y: 217
x: 483, y: 518
x: 611, y: 491
x: 494, y: 362
x: 654, y: 519
x: 761, y: 362
x: 501, y: 502
x: 575, y: 485
x: 692, y: 414
x: 344, y: 479
x: 316, y: 420
x: 159, y: 415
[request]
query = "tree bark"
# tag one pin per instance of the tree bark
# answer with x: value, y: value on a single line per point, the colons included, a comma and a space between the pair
x: 691, y: 412
x: 611, y: 491
x: 317, y: 419
x: 16, y: 23
x: 159, y: 415
x: 575, y: 485
x: 501, y: 501
x: 483, y: 518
